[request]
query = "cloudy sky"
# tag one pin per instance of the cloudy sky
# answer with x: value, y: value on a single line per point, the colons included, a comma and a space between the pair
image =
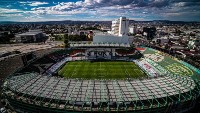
x: 51, y: 10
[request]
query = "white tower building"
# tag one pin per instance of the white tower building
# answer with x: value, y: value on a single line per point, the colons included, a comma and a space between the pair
x: 120, y: 27
x: 132, y: 29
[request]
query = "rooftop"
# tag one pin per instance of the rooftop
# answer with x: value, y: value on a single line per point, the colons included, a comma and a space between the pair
x: 100, y: 45
x: 31, y: 32
x: 108, y: 38
x: 24, y: 48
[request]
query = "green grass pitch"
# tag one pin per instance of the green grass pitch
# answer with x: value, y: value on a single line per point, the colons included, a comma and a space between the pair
x: 101, y: 70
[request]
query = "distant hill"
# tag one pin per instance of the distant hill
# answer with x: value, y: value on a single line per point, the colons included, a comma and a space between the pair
x: 55, y: 22
x: 92, y: 22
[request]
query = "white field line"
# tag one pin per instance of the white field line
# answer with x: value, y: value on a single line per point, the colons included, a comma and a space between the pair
x: 139, y: 70
x: 127, y: 73
x: 134, y: 67
x: 65, y: 71
x: 95, y: 72
x: 83, y: 68
x: 74, y: 72
x: 100, y: 65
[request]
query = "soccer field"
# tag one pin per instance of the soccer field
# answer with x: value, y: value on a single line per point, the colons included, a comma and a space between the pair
x: 101, y: 70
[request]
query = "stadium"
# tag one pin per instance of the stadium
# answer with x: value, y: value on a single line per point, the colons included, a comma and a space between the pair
x: 101, y: 77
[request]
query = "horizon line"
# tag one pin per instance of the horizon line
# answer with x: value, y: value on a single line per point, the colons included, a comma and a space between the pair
x: 96, y: 20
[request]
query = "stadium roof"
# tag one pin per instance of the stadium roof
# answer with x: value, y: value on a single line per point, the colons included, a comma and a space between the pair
x: 99, y: 38
x: 92, y: 45
x: 78, y: 92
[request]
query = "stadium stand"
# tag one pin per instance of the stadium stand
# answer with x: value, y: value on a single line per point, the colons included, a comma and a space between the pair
x: 34, y: 89
x: 39, y: 65
x: 122, y: 52
x: 77, y: 52
x: 57, y: 65
x: 147, y: 68
x: 7, y: 66
x: 59, y: 55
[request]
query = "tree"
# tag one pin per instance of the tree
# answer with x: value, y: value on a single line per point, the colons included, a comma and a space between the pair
x: 76, y: 37
x: 66, y: 37
x: 66, y: 43
x: 5, y: 38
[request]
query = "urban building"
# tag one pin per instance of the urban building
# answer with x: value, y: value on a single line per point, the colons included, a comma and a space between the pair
x: 194, y: 43
x: 30, y: 36
x: 132, y: 30
x: 120, y: 27
x: 162, y: 40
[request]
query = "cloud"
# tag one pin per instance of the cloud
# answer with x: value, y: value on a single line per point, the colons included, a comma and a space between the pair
x: 93, y: 7
x: 33, y: 3
x: 115, y: 8
x: 11, y: 15
x: 6, y: 10
x: 38, y: 3
x: 186, y: 4
x: 100, y: 9
x: 96, y: 4
x: 184, y: 0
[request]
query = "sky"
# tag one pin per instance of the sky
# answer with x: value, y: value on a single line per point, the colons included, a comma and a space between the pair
x: 99, y: 10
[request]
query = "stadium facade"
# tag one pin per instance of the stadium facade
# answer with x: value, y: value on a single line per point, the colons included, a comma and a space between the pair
x: 170, y: 86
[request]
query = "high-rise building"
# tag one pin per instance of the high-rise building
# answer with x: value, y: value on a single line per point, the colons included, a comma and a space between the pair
x: 120, y: 27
